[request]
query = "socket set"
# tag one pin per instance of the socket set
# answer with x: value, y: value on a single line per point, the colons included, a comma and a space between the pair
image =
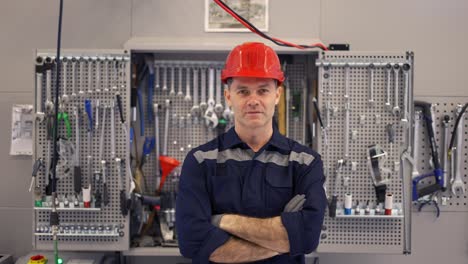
x: 82, y: 230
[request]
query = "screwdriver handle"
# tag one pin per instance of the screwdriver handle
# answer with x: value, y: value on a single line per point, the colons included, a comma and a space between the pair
x: 89, y: 112
x: 77, y: 179
x: 67, y: 124
x: 119, y: 105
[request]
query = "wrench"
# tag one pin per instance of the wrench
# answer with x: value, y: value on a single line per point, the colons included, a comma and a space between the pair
x: 156, y: 76
x: 166, y: 127
x: 172, y: 91
x: 96, y: 119
x: 115, y: 75
x: 371, y: 84
x: 40, y: 115
x: 180, y: 93
x: 458, y: 185
x: 73, y: 61
x: 76, y: 161
x: 105, y: 192
x: 157, y: 144
x: 187, y: 86
x: 388, y: 69
x: 112, y: 119
x: 203, y: 104
x: 49, y: 104
x: 211, y: 119
x: 82, y: 62
x: 97, y: 84
x: 65, y: 98
x: 446, y: 126
x: 346, y: 132
x: 396, y: 71
x: 90, y: 75
x: 417, y: 131
x: 106, y: 65
x: 164, y: 69
x: 346, y: 96
x: 404, y: 119
x: 219, y: 85
x: 195, y: 111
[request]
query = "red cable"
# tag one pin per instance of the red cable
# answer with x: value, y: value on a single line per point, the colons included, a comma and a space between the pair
x: 222, y: 5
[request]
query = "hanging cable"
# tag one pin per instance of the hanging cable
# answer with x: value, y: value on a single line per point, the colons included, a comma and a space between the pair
x: 255, y: 30
x: 454, y: 132
x: 54, y: 217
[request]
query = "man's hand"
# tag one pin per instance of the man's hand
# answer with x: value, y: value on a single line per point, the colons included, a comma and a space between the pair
x: 294, y: 205
x: 216, y: 219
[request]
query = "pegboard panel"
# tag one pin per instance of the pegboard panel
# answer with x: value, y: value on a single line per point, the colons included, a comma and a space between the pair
x: 85, y: 75
x: 360, y: 85
x: 296, y: 90
x: 449, y: 200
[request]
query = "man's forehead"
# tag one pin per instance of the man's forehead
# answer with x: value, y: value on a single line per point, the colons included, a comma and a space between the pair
x: 252, y: 81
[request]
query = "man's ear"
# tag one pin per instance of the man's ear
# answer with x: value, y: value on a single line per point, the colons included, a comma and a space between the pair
x: 227, y: 96
x: 279, y: 93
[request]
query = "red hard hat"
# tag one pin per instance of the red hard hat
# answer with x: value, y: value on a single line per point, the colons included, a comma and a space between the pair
x: 253, y: 59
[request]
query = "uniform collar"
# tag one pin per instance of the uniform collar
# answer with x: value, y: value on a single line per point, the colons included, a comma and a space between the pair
x: 232, y: 139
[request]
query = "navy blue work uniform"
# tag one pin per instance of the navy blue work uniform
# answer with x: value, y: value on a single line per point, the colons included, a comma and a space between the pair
x: 225, y: 176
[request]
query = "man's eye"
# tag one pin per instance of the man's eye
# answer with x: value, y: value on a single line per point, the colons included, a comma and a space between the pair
x: 243, y: 92
x: 264, y: 91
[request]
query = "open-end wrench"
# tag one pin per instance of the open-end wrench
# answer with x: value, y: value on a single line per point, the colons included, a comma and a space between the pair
x: 219, y: 90
x: 90, y: 75
x: 346, y: 72
x: 157, y: 144
x: 40, y: 115
x: 97, y: 84
x: 156, y: 76
x: 114, y: 74
x: 166, y: 127
x: 388, y: 104
x: 188, y: 97
x: 445, y: 161
x: 404, y: 119
x: 73, y: 61
x: 122, y: 194
x: 112, y: 119
x: 371, y: 84
x: 203, y: 104
x: 108, y: 78
x: 179, y: 92
x: 346, y: 132
x: 49, y: 104
x: 65, y: 98
x: 172, y: 91
x: 76, y: 158
x: 164, y: 84
x: 417, y: 132
x: 96, y: 119
x: 458, y: 186
x: 195, y: 111
x: 82, y: 85
x: 396, y: 71
x: 211, y: 119
x: 105, y: 191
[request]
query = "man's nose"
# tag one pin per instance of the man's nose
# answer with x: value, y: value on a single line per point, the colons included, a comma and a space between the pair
x: 253, y: 101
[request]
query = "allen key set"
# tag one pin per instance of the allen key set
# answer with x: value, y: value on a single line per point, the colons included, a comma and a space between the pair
x: 365, y: 142
x: 91, y: 168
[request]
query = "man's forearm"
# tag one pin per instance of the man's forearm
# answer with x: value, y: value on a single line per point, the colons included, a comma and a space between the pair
x: 236, y: 250
x: 265, y: 232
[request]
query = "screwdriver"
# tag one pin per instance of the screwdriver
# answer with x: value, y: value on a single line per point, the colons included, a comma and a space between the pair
x: 391, y: 137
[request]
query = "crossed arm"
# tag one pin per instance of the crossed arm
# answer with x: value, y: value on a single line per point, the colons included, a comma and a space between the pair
x: 255, y: 239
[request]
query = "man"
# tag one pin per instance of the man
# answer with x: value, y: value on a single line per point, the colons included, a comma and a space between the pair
x: 251, y: 194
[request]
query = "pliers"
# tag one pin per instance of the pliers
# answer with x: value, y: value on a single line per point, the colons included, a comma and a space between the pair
x: 431, y: 201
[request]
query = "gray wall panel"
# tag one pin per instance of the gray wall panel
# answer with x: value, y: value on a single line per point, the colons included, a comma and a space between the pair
x: 435, y: 30
x: 16, y: 230
x: 181, y: 18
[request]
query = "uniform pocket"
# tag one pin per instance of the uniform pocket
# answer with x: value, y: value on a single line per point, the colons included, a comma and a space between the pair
x: 226, y: 188
x: 278, y: 187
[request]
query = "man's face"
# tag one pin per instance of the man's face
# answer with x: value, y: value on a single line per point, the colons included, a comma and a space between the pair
x: 253, y: 100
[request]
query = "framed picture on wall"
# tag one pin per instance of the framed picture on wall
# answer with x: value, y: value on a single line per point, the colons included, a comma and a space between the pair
x: 218, y: 20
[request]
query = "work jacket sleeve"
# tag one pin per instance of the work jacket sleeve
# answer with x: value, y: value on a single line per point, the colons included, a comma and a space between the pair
x: 197, y: 237
x: 303, y: 227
